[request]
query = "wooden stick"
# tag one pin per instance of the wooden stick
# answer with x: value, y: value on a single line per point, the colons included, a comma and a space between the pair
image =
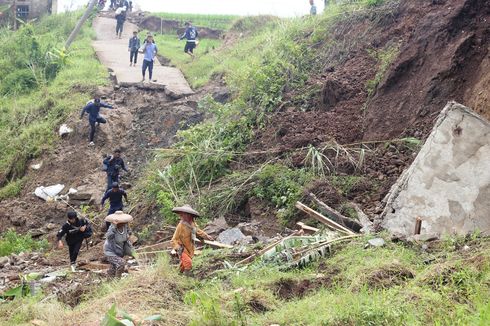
x: 216, y: 244
x: 328, y: 242
x: 261, y: 252
x: 321, y: 218
x: 336, y: 215
x: 307, y: 227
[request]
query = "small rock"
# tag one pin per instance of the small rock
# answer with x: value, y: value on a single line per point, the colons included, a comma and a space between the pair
x: 466, y: 248
x: 37, y: 166
x: 51, y: 226
x: 377, y: 242
x: 424, y: 237
x: 64, y: 130
x: 4, y: 261
x: 230, y: 236
x: 48, y: 279
x: 246, y: 240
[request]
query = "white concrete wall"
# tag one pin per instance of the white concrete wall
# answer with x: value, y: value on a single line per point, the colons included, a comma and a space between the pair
x: 448, y: 185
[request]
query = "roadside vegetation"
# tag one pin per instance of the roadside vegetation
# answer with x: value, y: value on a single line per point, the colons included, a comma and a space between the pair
x: 40, y: 86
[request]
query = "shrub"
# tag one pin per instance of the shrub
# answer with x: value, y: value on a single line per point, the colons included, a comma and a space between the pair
x: 282, y: 187
x: 11, y: 242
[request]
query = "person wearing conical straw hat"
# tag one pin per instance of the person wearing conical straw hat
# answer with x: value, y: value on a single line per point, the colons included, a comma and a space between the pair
x: 117, y: 244
x: 185, y: 235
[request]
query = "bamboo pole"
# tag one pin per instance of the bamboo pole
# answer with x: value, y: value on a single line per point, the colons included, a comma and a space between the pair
x: 80, y: 23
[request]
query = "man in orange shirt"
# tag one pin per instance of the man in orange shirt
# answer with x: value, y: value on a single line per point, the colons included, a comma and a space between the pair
x: 185, y: 236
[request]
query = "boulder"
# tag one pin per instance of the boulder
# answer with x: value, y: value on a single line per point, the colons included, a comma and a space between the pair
x: 230, y: 236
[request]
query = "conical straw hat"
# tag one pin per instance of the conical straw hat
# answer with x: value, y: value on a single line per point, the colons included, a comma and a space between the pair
x: 186, y: 209
x: 119, y: 217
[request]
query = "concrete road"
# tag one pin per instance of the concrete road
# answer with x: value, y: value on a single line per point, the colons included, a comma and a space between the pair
x: 113, y: 53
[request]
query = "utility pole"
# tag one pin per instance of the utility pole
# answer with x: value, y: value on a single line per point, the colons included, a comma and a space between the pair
x: 14, y: 12
x: 80, y: 23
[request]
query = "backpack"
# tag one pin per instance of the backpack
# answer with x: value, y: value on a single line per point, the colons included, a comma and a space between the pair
x: 88, y: 231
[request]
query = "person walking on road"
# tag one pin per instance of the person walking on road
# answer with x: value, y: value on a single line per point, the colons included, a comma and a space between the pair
x: 150, y: 51
x: 113, y: 165
x: 117, y: 244
x: 115, y: 196
x: 75, y: 230
x: 133, y: 48
x: 185, y: 236
x: 190, y: 35
x: 93, y: 109
x: 120, y: 19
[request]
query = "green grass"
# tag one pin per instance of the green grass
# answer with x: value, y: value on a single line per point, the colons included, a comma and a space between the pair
x: 376, y: 286
x: 29, y: 116
x: 221, y: 22
x: 11, y: 242
x: 393, y: 285
x: 197, y: 72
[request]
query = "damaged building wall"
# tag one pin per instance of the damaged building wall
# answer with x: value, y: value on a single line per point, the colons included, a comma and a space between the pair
x: 448, y: 184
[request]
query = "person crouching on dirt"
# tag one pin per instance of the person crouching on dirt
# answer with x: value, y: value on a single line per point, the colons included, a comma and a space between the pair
x: 75, y: 230
x: 93, y: 109
x: 190, y: 35
x: 117, y: 244
x: 115, y: 196
x: 113, y: 165
x: 185, y: 235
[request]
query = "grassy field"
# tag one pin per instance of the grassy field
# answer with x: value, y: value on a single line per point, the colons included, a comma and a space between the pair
x: 40, y: 86
x: 198, y: 71
x: 221, y: 22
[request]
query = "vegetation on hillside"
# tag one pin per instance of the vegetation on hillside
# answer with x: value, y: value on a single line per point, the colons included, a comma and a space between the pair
x: 40, y: 86
x: 221, y: 22
x: 12, y: 242
x: 259, y: 69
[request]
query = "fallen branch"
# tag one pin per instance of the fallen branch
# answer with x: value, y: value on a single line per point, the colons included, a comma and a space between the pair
x: 364, y: 220
x: 337, y: 216
x: 300, y: 253
x: 216, y: 244
x: 261, y: 252
x: 321, y: 218
x: 307, y: 228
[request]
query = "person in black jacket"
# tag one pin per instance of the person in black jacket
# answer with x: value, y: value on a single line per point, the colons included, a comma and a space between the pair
x: 115, y: 196
x: 93, y: 109
x: 75, y: 230
x: 133, y: 48
x: 113, y: 165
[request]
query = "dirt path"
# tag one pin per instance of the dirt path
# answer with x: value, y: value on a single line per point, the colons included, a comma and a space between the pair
x: 144, y: 119
x: 113, y: 53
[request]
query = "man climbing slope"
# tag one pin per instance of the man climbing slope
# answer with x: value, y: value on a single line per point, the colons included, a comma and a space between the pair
x: 115, y: 196
x: 93, y: 109
x: 185, y: 235
x: 75, y: 231
x: 113, y: 165
x: 190, y: 35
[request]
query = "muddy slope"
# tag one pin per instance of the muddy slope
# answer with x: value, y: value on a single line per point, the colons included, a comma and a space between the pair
x: 444, y: 56
x: 143, y: 120
x: 444, y: 47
